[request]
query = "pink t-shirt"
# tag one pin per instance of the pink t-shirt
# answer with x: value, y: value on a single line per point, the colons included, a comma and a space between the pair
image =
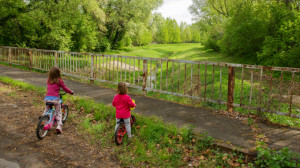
x: 123, y: 103
x: 53, y: 89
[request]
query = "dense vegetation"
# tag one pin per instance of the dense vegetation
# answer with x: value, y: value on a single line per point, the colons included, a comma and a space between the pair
x: 88, y: 25
x: 266, y: 31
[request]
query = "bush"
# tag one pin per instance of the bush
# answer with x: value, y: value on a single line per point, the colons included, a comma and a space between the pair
x: 271, y: 158
x: 103, y: 45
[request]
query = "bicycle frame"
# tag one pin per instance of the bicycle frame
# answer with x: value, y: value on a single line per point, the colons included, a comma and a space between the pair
x: 52, y: 114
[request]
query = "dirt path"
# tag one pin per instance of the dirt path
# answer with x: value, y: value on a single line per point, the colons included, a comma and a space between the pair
x: 231, y: 130
x: 20, y: 147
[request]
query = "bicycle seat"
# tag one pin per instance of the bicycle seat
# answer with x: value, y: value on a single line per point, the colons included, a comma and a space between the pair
x: 49, y: 104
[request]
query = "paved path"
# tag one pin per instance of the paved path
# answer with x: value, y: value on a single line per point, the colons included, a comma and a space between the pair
x: 219, y: 127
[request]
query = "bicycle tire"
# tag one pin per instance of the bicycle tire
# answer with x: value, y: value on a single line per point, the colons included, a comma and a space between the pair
x: 64, y: 113
x: 40, y: 132
x: 118, y: 134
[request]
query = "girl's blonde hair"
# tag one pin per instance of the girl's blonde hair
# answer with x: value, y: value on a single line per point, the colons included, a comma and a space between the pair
x: 54, y: 75
x: 122, y: 88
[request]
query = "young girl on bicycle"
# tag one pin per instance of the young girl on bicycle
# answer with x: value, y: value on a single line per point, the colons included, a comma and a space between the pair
x: 122, y: 102
x: 54, y: 83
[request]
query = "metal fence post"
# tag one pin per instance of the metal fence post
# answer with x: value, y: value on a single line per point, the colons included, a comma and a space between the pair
x: 145, y: 72
x: 231, y: 80
x: 92, y: 70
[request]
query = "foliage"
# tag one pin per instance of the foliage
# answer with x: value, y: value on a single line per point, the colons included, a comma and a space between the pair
x: 282, y: 47
x: 265, y: 32
x: 271, y: 158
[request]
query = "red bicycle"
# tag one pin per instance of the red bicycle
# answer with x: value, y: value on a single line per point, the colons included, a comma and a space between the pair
x: 121, y: 131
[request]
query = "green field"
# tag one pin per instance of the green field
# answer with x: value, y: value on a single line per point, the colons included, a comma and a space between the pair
x: 184, y: 51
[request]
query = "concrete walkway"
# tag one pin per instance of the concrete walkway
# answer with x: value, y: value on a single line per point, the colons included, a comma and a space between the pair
x: 219, y: 127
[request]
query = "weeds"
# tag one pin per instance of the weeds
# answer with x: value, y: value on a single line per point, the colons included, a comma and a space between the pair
x: 157, y: 144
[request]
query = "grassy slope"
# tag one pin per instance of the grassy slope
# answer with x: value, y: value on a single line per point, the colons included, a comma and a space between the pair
x: 185, y: 51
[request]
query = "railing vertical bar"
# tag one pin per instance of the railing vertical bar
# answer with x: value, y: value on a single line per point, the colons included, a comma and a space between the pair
x: 125, y: 63
x: 270, y: 91
x: 103, y: 67
x: 139, y: 72
x: 161, y: 63
x: 205, y: 81
x: 192, y: 79
x: 109, y: 68
x: 280, y: 92
x: 133, y: 71
x: 73, y: 68
x: 150, y: 70
x: 167, y: 69
x: 260, y: 90
x: 178, y: 89
x: 106, y: 67
x: 241, y: 101
x: 113, y: 69
x: 129, y: 64
x: 172, y: 76
x: 213, y: 83
x: 70, y: 55
x: 291, y: 93
x: 121, y: 69
x: 251, y: 87
x: 198, y: 80
x: 118, y: 69
x: 184, y: 87
x: 156, y: 71
x: 220, y: 92
x: 77, y: 57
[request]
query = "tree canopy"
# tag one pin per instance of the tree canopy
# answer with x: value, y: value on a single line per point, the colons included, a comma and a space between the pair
x: 88, y: 25
x: 266, y: 31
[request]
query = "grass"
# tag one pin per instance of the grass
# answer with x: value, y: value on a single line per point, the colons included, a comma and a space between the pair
x: 184, y: 51
x: 157, y: 144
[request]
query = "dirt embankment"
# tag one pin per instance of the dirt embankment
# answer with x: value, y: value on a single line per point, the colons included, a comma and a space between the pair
x: 19, y: 145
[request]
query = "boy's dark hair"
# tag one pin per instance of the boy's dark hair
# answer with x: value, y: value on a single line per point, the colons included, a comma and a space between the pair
x: 54, y: 75
x: 122, y: 88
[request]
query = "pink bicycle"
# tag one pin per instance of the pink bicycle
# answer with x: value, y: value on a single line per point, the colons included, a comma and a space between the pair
x: 47, y: 121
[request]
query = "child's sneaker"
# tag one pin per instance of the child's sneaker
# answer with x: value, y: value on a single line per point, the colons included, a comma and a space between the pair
x: 130, y: 136
x: 59, y: 129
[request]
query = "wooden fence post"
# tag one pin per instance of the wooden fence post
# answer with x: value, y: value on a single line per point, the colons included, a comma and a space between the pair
x: 9, y: 56
x: 29, y: 53
x: 145, y: 72
x: 55, y: 59
x: 92, y: 70
x: 231, y: 81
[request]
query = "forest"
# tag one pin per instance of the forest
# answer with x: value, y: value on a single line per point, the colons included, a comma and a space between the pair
x: 263, y: 31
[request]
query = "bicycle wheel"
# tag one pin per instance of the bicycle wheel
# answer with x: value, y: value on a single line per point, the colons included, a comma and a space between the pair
x: 119, y: 134
x: 40, y: 132
x: 64, y: 113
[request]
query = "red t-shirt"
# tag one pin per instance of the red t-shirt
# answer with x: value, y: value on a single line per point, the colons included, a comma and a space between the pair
x: 123, y: 103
